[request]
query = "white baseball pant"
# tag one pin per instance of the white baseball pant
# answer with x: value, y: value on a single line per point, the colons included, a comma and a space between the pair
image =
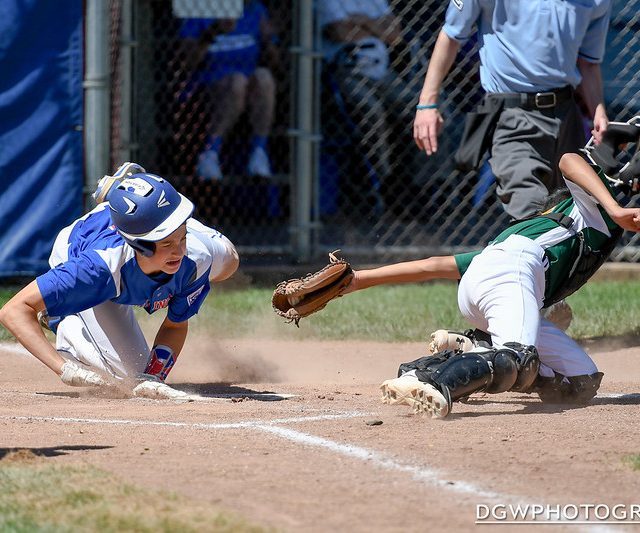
x: 502, y: 293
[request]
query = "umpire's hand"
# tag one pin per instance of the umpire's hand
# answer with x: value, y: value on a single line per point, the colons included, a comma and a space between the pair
x: 426, y: 127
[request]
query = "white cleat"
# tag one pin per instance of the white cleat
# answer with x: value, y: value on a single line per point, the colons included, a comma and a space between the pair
x: 443, y: 339
x: 107, y: 182
x: 76, y: 376
x: 157, y: 390
x: 421, y: 397
x: 259, y: 164
x: 209, y: 165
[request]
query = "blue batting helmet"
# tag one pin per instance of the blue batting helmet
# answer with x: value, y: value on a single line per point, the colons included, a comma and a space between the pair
x: 145, y: 209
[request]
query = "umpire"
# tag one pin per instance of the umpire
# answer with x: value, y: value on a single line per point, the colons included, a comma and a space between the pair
x: 538, y: 59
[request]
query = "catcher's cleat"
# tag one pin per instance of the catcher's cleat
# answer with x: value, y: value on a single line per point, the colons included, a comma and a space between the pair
x: 421, y: 397
x: 76, y: 376
x: 157, y: 390
x: 443, y: 339
x: 107, y: 182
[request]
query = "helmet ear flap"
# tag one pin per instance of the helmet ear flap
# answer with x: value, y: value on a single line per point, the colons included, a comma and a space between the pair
x: 146, y: 248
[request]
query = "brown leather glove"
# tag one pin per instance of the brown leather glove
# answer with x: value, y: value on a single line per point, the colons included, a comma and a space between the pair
x: 297, y: 298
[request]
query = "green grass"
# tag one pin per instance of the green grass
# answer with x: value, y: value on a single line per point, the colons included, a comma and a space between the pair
x: 632, y: 460
x: 86, y: 499
x: 396, y: 313
x: 407, y: 313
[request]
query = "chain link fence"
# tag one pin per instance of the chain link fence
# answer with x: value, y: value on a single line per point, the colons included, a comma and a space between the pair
x: 194, y: 77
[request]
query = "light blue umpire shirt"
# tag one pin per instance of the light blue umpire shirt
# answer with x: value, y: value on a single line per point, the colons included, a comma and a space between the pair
x: 531, y: 45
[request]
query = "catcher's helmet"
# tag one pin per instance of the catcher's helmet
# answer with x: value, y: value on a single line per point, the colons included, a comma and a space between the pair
x: 618, y: 155
x: 145, y: 209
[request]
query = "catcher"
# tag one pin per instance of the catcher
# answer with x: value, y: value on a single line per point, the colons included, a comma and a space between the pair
x: 139, y: 247
x: 504, y: 287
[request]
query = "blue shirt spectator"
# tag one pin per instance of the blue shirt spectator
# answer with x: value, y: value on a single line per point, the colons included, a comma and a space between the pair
x: 235, y: 51
x: 222, y: 59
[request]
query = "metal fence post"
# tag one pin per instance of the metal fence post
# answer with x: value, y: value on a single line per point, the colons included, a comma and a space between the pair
x: 303, y: 154
x: 96, y: 89
x: 127, y: 43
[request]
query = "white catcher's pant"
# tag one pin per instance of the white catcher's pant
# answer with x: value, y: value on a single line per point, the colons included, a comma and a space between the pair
x: 107, y: 337
x: 502, y: 293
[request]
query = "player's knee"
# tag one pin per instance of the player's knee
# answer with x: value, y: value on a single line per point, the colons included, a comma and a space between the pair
x: 505, y: 371
x: 263, y: 79
x: 237, y: 85
x: 528, y: 364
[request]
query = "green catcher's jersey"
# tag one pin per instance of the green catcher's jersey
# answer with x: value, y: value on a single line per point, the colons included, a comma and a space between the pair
x: 561, y: 245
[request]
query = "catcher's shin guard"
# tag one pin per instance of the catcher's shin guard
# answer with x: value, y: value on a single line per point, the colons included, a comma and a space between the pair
x: 561, y: 389
x: 426, y: 365
x: 513, y: 367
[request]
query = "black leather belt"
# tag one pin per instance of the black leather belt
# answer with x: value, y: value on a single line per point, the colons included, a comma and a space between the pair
x: 541, y: 100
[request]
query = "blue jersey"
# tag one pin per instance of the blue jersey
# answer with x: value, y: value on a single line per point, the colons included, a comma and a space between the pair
x: 91, y: 263
x: 236, y: 51
x: 531, y: 45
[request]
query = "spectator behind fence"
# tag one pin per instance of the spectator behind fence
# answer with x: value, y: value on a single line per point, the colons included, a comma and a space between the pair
x: 225, y: 58
x: 537, y: 59
x: 357, y: 36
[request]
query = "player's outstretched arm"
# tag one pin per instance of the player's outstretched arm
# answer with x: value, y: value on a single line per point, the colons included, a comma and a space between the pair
x: 577, y: 170
x: 20, y: 316
x: 439, y: 267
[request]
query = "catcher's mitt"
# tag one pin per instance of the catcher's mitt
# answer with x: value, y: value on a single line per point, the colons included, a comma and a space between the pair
x: 296, y: 298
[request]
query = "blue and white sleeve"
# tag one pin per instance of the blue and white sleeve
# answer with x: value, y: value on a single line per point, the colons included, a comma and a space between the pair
x: 187, y: 303
x: 76, y: 285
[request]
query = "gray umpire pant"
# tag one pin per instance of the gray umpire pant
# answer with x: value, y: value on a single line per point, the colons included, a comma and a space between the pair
x: 526, y: 148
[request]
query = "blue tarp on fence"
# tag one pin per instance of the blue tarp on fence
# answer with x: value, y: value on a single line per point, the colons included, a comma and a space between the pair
x: 41, y: 157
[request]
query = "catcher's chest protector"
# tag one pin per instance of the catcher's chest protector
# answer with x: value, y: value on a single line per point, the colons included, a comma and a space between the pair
x: 585, y: 265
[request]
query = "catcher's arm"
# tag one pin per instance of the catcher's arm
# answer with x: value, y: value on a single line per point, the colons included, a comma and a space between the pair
x: 439, y: 267
x: 577, y: 170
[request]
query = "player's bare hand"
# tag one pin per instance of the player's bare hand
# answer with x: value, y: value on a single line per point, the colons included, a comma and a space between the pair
x: 600, y: 124
x: 426, y: 128
x: 627, y: 218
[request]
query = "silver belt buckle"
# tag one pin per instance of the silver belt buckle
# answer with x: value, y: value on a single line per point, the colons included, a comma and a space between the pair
x: 544, y: 106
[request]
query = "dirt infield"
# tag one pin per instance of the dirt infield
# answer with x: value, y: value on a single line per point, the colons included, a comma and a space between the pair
x: 322, y: 461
